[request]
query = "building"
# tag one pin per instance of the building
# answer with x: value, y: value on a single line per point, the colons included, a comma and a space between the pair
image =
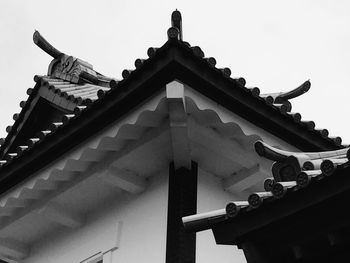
x: 96, y: 169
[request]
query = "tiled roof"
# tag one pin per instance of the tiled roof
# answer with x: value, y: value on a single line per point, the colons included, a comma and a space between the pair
x: 71, y: 83
x: 60, y: 93
x: 81, y: 94
x: 74, y: 80
x: 291, y: 172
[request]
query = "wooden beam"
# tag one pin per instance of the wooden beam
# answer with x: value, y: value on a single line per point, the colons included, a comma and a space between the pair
x: 126, y: 180
x: 63, y: 176
x: 58, y: 214
x: 13, y: 249
x: 29, y: 194
x: 42, y: 184
x: 130, y: 131
x: 77, y: 165
x: 111, y: 144
x: 242, y: 179
x: 93, y: 155
x: 178, y: 124
x: 6, y: 212
x: 16, y: 202
x: 248, y: 177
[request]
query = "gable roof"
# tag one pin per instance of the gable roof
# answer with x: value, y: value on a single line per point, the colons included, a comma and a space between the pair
x: 85, y: 102
x: 50, y: 103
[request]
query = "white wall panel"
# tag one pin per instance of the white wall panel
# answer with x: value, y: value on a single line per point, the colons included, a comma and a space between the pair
x: 211, y: 196
x: 133, y: 227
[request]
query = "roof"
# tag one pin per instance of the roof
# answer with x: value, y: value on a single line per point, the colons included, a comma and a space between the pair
x: 292, y: 172
x: 300, y: 217
x: 84, y: 93
x: 73, y: 102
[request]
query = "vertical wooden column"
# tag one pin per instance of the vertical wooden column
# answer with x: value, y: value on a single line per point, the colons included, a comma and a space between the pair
x: 255, y: 253
x: 182, y: 201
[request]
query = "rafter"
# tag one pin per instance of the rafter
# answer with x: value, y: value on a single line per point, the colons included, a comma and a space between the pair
x: 60, y: 215
x: 246, y: 177
x: 126, y: 180
x: 77, y: 165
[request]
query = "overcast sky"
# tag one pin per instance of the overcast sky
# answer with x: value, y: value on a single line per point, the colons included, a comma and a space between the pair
x: 274, y: 45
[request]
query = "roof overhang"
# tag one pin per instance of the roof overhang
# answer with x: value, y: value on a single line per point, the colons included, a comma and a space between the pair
x: 174, y: 60
x: 297, y: 226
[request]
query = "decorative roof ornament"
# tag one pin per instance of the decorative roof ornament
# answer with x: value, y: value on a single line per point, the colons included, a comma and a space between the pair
x: 290, y: 164
x: 283, y: 98
x: 67, y: 67
x: 274, y: 154
x: 176, y: 21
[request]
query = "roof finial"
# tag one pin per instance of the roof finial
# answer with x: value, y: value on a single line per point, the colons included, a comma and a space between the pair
x: 64, y: 66
x: 41, y: 42
x: 176, y: 21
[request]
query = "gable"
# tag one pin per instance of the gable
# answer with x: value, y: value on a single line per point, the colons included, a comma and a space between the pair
x: 104, y: 168
x: 70, y: 83
x: 173, y: 60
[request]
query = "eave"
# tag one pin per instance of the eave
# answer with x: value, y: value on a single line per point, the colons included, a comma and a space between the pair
x: 295, y: 217
x: 174, y: 60
x: 314, y: 217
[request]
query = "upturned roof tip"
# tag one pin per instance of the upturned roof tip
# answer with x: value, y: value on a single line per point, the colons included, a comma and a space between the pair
x: 303, y: 88
x: 176, y: 21
x: 41, y: 42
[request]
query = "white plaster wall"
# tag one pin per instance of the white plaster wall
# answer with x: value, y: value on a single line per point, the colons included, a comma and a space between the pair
x: 142, y: 234
x: 211, y: 196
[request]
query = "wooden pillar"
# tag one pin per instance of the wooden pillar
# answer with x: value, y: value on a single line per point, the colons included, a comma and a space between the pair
x: 255, y: 253
x: 182, y: 201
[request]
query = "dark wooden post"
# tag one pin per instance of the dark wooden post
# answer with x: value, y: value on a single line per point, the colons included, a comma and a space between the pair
x: 182, y: 201
x: 255, y: 253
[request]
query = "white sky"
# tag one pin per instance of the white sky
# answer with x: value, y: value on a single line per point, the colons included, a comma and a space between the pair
x: 274, y: 45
